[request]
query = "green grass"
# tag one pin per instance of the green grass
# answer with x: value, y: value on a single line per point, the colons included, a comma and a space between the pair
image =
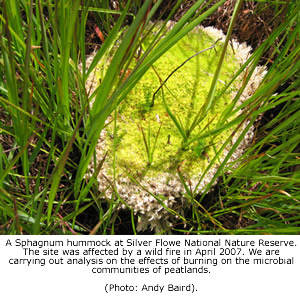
x: 49, y: 131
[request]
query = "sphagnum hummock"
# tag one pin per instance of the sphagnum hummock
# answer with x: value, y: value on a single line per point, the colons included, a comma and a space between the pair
x: 151, y: 190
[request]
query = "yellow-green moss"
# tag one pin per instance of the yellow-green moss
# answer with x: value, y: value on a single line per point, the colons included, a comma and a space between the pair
x: 185, y: 93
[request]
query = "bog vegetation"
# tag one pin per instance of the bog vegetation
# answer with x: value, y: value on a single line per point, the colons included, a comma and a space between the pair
x: 49, y: 129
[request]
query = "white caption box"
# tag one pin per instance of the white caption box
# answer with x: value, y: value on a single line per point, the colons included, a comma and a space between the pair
x: 135, y: 266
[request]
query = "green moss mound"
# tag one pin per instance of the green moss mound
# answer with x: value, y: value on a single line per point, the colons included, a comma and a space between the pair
x: 146, y: 139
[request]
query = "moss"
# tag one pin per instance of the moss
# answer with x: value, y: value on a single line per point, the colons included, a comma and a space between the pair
x: 185, y: 92
x: 145, y: 147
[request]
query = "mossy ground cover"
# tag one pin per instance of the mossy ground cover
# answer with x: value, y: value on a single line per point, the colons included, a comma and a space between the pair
x: 145, y: 138
x: 49, y: 136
